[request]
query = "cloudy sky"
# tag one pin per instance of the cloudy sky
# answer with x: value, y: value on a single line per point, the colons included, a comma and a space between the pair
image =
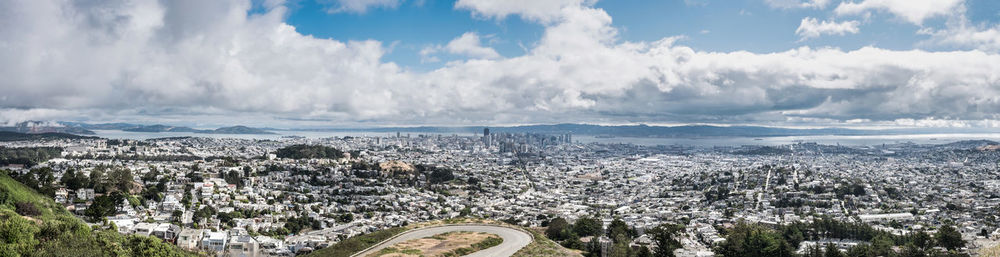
x: 293, y: 63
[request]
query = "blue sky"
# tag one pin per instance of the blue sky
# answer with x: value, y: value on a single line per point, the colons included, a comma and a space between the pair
x: 717, y: 26
x: 322, y: 63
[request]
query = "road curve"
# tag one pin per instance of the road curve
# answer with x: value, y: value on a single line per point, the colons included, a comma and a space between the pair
x: 513, y: 239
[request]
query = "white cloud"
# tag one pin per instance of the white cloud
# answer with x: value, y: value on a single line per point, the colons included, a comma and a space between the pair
x: 913, y: 11
x: 176, y: 59
x: 470, y: 45
x: 362, y: 6
x: 812, y: 28
x: 789, y: 4
x: 544, y: 11
x: 960, y: 32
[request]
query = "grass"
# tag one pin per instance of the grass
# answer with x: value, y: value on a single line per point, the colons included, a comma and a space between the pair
x: 990, y: 252
x: 356, y: 244
x: 56, y: 232
x: 17, y: 192
x: 486, y: 243
x: 543, y: 247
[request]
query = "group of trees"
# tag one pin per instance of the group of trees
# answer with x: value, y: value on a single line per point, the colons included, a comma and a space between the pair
x: 755, y: 240
x: 309, y: 152
x: 105, y: 205
x: 621, y: 235
x: 42, y: 180
x: 560, y: 230
x: 106, y: 179
x: 29, y: 156
x: 236, y: 177
x: 296, y: 224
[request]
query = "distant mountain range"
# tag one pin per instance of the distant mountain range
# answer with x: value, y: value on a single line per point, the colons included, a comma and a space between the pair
x: 37, y: 127
x: 6, y: 136
x: 163, y: 128
x: 686, y: 131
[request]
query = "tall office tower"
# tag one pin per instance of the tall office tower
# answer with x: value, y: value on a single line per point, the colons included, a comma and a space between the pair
x: 486, y: 137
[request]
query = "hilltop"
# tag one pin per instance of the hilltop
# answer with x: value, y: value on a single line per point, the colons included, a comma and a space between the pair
x: 235, y: 130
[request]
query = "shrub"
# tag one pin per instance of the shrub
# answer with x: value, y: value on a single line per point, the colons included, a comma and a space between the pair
x: 27, y: 209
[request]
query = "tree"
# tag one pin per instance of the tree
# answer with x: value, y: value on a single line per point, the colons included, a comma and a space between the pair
x: 665, y: 238
x: 121, y: 179
x: 793, y: 235
x: 345, y: 218
x: 864, y: 250
x: 619, y: 230
x: 882, y: 246
x: 922, y: 240
x: 912, y: 251
x: 98, y: 180
x: 74, y: 180
x: 949, y: 238
x: 309, y: 152
x: 441, y: 175
x: 754, y: 240
x: 643, y: 252
x: 587, y: 226
x: 832, y: 251
x: 233, y: 177
x: 558, y: 229
x: 151, y: 175
x: 620, y: 249
x: 176, y: 215
x: 105, y: 205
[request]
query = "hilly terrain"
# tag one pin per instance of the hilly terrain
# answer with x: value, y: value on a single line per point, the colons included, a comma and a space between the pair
x: 163, y: 128
x: 34, y: 225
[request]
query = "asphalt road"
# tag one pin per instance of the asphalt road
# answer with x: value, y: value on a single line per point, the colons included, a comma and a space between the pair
x: 513, y: 239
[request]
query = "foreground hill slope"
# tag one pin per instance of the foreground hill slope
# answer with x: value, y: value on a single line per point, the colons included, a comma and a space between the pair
x: 34, y: 225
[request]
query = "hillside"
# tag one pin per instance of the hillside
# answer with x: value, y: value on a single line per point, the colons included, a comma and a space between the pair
x: 7, y: 136
x: 34, y: 225
x: 236, y: 130
x: 34, y: 127
x: 160, y: 128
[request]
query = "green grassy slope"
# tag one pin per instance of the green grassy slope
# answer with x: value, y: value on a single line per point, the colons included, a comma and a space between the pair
x: 52, y: 231
x: 356, y: 244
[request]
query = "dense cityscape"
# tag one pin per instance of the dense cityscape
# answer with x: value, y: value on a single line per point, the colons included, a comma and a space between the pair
x: 296, y: 195
x: 499, y: 128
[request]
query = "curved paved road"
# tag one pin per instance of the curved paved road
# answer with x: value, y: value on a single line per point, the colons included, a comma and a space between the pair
x: 513, y: 239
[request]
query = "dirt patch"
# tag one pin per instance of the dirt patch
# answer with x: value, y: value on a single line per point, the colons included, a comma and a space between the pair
x: 436, y: 245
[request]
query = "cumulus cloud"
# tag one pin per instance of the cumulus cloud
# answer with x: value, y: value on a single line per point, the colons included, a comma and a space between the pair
x: 960, y: 32
x: 544, y: 11
x: 361, y: 6
x: 790, y: 4
x: 913, y: 11
x: 812, y: 28
x: 468, y: 44
x: 168, y: 60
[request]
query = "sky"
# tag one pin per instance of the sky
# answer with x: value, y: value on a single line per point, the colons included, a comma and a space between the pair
x: 349, y: 63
